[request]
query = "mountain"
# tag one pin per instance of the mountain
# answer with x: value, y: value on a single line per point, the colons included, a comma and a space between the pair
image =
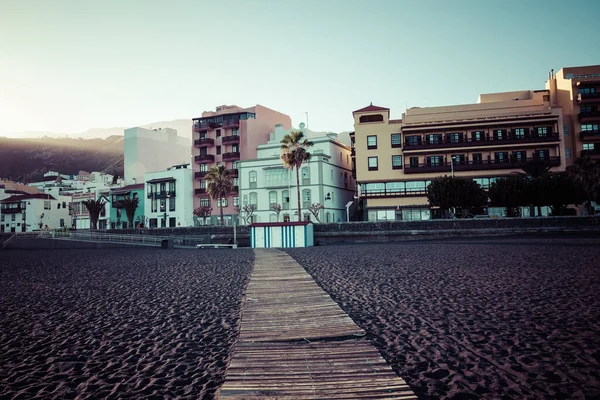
x: 26, y: 160
x: 183, y: 127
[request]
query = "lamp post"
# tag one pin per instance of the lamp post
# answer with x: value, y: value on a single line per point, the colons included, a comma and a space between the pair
x: 452, y: 165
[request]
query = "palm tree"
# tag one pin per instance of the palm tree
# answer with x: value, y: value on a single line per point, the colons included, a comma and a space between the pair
x: 586, y: 175
x: 535, y: 172
x: 294, y: 153
x: 94, y: 208
x: 130, y: 205
x: 219, y: 183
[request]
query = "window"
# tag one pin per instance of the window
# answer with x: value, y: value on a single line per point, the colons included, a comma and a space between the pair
x: 346, y: 178
x: 587, y: 109
x: 434, y: 161
x: 519, y: 133
x: 154, y: 205
x: 285, y: 199
x: 499, y: 134
x: 586, y: 90
x: 203, y: 151
x: 252, y: 179
x: 13, y: 217
x: 371, y: 142
x: 218, y: 132
x: 566, y: 130
x: 413, y: 140
x: 46, y: 204
x: 218, y: 150
x: 396, y: 162
x: 458, y: 159
x: 235, y: 132
x: 396, y: 141
x: 520, y: 156
x: 373, y: 164
x: 286, y: 217
x: 172, y: 203
x: 253, y: 199
x: 222, y: 202
x: 542, y: 154
x: 546, y: 97
x: 205, y: 202
x: 455, y: 137
x: 202, y: 184
x: 477, y: 136
x: 235, y: 148
x: 501, y: 157
x: 236, y: 201
x: 542, y: 131
x: 371, y: 118
x: 306, y: 198
x: 414, y: 162
x: 588, y: 146
x: 272, y: 198
x: 589, y: 127
x: 434, y: 138
x: 163, y: 205
x: 567, y: 153
x: 305, y: 172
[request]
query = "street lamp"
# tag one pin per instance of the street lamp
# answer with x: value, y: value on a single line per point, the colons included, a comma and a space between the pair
x: 452, y: 165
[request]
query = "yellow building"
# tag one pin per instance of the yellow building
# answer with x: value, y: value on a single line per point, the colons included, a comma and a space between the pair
x: 396, y: 159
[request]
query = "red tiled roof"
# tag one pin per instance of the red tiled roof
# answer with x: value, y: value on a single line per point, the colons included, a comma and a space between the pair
x: 371, y: 108
x: 21, y: 197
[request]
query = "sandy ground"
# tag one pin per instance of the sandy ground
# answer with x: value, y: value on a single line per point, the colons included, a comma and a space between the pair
x: 118, y: 323
x: 509, y: 318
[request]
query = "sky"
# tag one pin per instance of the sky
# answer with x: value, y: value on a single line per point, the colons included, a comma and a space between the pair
x: 70, y: 65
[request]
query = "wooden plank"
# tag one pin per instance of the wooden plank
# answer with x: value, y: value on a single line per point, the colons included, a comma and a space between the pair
x: 296, y: 343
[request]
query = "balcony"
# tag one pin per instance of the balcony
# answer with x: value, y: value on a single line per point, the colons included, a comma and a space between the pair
x: 230, y: 139
x: 589, y: 135
x: 161, y: 195
x: 588, y: 116
x: 204, y: 126
x: 204, y: 142
x: 201, y: 192
x: 588, y: 98
x: 235, y: 189
x: 231, y: 123
x: 204, y: 158
x: 394, y: 193
x: 474, y: 165
x: 117, y: 204
x: 12, y: 210
x: 484, y: 141
x: 200, y: 175
x: 593, y: 154
x: 234, y: 172
x: 232, y: 156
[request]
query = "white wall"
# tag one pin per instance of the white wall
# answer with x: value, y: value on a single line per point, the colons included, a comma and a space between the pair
x: 184, y: 192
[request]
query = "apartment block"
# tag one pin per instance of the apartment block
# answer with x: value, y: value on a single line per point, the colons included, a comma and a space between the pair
x: 395, y: 159
x: 33, y: 212
x: 224, y: 137
x: 325, y: 179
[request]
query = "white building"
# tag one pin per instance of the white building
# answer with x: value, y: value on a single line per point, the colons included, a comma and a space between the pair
x: 33, y: 212
x: 325, y: 179
x: 170, y: 195
x: 148, y: 150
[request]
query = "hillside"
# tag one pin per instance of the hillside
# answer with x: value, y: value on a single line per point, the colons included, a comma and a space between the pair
x: 26, y: 160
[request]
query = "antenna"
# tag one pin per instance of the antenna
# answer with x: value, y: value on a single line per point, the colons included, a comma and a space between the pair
x: 306, y: 119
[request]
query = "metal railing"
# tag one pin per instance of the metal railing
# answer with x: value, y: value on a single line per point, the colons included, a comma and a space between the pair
x: 144, y: 240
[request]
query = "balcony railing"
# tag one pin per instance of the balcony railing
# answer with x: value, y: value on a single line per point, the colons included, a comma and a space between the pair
x: 394, y: 193
x: 235, y: 155
x: 161, y: 195
x: 231, y: 123
x: 471, y: 165
x: 591, y: 153
x: 588, y: 97
x: 234, y: 172
x: 206, y: 126
x: 589, y: 135
x: 484, y: 141
x: 12, y: 210
x: 589, y: 116
x: 204, y: 142
x: 205, y: 157
x: 200, y: 175
x: 230, y: 139
x: 201, y: 192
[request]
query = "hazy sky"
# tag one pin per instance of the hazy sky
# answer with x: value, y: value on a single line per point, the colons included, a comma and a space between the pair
x: 70, y: 65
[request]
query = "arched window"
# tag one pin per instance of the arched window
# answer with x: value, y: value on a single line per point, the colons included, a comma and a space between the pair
x: 285, y: 200
x: 306, y: 198
x: 253, y: 198
x: 306, y: 175
x: 252, y: 179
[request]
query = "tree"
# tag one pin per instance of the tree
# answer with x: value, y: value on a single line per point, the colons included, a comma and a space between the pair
x: 452, y: 192
x: 248, y: 211
x: 276, y: 208
x: 314, y: 208
x: 509, y: 192
x: 585, y: 174
x: 219, y: 183
x: 94, y: 208
x: 294, y: 153
x: 130, y: 206
x: 534, y: 171
x: 203, y: 212
x: 142, y: 221
x: 558, y: 191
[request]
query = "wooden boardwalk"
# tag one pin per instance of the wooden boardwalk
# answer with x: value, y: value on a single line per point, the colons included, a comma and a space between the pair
x: 296, y: 343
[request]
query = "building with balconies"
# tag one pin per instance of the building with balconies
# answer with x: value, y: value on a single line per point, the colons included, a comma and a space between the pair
x: 118, y: 217
x: 33, y: 212
x: 225, y: 137
x: 577, y: 91
x: 395, y: 160
x: 169, y: 196
x: 325, y: 179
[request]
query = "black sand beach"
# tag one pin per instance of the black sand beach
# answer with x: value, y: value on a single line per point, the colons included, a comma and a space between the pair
x: 510, y: 318
x: 118, y: 323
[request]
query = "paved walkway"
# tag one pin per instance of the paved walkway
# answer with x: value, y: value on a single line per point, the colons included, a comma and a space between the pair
x: 296, y: 343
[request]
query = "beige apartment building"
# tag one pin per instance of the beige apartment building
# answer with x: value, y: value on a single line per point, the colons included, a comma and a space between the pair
x: 395, y: 160
x: 224, y: 137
